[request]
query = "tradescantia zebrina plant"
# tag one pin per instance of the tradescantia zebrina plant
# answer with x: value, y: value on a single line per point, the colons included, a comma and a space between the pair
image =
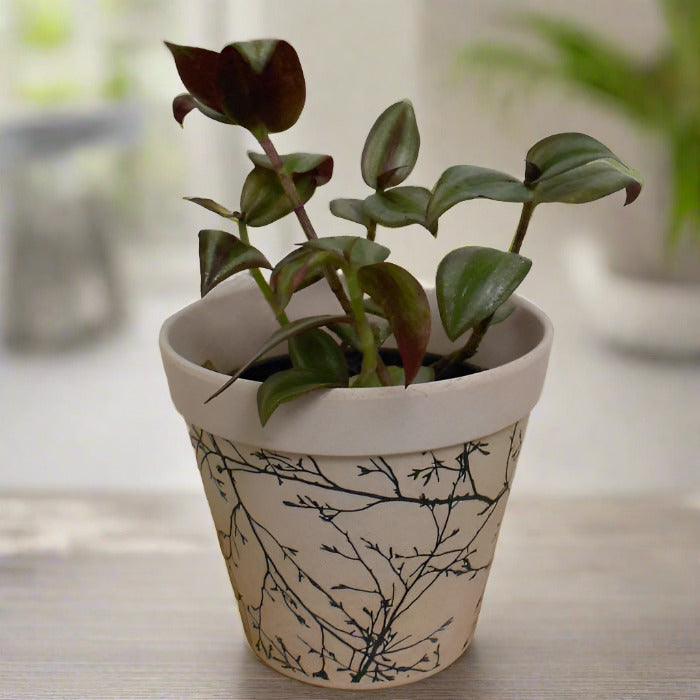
x: 260, y: 86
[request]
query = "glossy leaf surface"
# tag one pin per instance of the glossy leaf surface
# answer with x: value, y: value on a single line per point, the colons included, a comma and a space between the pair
x: 316, y: 350
x: 263, y: 200
x: 316, y: 164
x: 299, y: 269
x: 400, y: 206
x: 472, y: 283
x: 351, y: 210
x: 391, y: 149
x: 463, y: 182
x: 290, y: 384
x: 280, y: 336
x: 257, y: 84
x: 221, y: 255
x: 356, y: 251
x: 213, y: 206
x: 398, y: 377
x: 199, y: 71
x: 576, y: 168
x: 262, y: 84
x: 405, y: 306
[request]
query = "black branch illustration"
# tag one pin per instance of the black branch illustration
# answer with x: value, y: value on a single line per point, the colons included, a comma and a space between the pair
x: 355, y: 624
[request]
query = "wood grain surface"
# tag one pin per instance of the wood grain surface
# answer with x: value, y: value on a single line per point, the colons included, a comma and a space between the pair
x: 127, y: 596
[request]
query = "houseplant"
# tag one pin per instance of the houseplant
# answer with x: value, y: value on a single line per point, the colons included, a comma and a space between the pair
x: 652, y: 289
x: 358, y: 507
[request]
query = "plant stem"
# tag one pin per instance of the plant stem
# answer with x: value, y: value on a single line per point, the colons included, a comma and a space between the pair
x: 291, y: 191
x: 372, y: 231
x: 445, y: 364
x: 525, y: 216
x: 370, y: 354
x: 262, y: 282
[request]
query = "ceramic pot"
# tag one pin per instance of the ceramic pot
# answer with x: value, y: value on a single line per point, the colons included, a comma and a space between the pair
x: 644, y: 316
x: 358, y: 526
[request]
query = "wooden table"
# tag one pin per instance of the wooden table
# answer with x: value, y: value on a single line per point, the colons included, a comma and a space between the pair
x: 127, y: 597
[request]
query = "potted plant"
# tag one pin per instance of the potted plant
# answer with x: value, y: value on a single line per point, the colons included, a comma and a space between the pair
x: 651, y: 291
x: 358, y: 478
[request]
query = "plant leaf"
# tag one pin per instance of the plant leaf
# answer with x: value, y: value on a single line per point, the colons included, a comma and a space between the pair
x: 211, y: 205
x: 502, y: 312
x: 356, y: 251
x: 199, y: 72
x: 576, y: 168
x: 289, y: 384
x: 406, y: 307
x: 391, y: 148
x: 351, y: 210
x: 299, y: 269
x: 462, y: 182
x: 321, y: 166
x: 398, y: 377
x: 281, y: 335
x: 472, y: 282
x: 400, y: 206
x: 263, y: 200
x: 182, y: 105
x: 316, y: 350
x: 221, y: 255
x: 262, y: 85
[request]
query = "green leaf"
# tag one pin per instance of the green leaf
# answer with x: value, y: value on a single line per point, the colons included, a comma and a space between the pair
x: 400, y: 206
x: 356, y: 251
x: 351, y: 210
x: 463, y: 182
x: 281, y: 335
x: 299, y: 269
x: 502, y: 312
x: 347, y: 334
x: 472, y: 282
x: 371, y: 307
x: 290, y: 384
x: 316, y: 350
x: 211, y: 205
x: 391, y: 148
x: 381, y: 330
x: 406, y: 307
x: 398, y: 377
x: 320, y: 166
x: 576, y: 168
x: 263, y: 200
x: 222, y: 254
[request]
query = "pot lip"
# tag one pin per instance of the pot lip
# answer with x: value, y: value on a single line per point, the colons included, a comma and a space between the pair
x: 367, y: 393
x: 190, y: 385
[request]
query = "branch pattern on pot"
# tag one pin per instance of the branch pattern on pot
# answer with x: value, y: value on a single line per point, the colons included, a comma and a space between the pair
x: 358, y: 568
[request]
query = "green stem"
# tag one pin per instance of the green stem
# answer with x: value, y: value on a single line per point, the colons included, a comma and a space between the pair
x: 525, y: 216
x: 291, y: 191
x: 445, y: 364
x: 370, y: 354
x: 262, y: 282
x: 372, y: 231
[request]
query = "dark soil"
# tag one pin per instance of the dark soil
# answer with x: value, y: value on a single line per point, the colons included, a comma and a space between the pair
x: 260, y: 371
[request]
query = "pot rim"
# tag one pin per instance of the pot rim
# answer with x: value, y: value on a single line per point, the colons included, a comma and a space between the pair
x: 329, y: 421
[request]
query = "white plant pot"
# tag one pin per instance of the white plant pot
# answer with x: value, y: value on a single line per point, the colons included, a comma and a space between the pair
x: 632, y: 313
x: 358, y: 526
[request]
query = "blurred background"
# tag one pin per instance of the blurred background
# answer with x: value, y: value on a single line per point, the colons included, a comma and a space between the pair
x: 97, y: 246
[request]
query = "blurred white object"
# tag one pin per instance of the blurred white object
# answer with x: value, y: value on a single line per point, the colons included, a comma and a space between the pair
x: 645, y: 315
x: 61, y: 284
